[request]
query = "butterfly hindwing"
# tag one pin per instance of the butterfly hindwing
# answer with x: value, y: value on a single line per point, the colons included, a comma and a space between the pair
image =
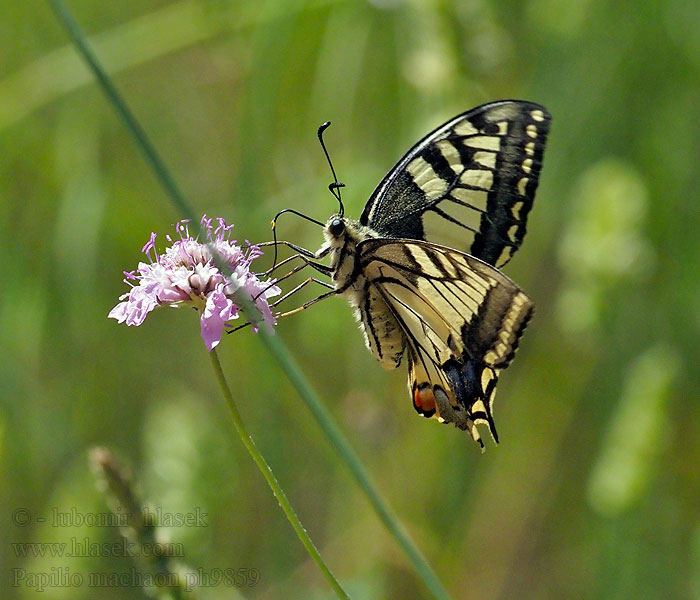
x: 461, y: 319
x: 444, y: 392
x: 471, y: 182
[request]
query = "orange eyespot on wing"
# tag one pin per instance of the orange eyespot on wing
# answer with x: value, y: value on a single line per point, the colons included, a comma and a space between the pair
x: 423, y: 399
x: 460, y: 322
x: 433, y: 397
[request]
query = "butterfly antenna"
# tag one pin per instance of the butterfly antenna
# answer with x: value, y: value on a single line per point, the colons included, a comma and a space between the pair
x: 336, y: 185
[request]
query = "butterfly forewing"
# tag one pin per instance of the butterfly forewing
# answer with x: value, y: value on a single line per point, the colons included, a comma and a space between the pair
x: 470, y: 183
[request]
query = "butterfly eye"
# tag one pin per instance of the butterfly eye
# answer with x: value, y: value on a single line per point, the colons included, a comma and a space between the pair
x: 337, y: 227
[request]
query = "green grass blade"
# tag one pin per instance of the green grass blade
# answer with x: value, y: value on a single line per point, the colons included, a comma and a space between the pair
x: 149, y: 152
x: 269, y: 476
x: 273, y: 343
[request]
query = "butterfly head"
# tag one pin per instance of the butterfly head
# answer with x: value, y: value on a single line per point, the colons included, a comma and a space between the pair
x: 340, y: 231
x: 336, y: 226
x: 342, y: 235
x: 336, y: 231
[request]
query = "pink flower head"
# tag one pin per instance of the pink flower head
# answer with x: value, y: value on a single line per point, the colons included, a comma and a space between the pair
x: 186, y: 275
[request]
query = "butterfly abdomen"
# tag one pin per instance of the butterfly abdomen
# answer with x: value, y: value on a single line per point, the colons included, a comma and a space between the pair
x: 383, y: 335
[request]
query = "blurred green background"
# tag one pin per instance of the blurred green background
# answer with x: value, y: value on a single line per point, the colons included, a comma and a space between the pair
x: 594, y: 491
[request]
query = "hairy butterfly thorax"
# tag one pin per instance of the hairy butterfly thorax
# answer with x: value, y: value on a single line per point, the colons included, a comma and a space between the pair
x: 421, y: 266
x: 382, y: 333
x: 342, y: 236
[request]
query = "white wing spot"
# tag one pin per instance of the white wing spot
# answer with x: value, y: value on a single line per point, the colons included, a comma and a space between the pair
x: 522, y: 297
x: 484, y: 142
x: 486, y: 377
x: 451, y: 155
x: 426, y: 179
x: 521, y: 186
x: 530, y: 148
x: 502, y: 128
x: 486, y: 159
x: 466, y: 128
x: 537, y: 115
x: 531, y: 130
x: 527, y: 165
x: 478, y: 406
x: 478, y: 178
x: 505, y: 336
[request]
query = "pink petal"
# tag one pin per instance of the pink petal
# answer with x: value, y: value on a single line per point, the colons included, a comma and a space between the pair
x: 218, y: 310
x: 118, y: 312
x: 142, y: 300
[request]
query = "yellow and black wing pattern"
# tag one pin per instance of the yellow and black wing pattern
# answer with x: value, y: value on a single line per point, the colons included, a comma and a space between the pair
x: 469, y: 184
x: 460, y: 320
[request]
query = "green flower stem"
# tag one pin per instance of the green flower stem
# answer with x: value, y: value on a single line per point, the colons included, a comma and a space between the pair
x: 338, y: 440
x: 274, y: 344
x: 348, y: 454
x: 271, y: 479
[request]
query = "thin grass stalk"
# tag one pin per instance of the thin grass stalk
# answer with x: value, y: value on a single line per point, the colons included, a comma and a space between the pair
x: 141, y: 529
x: 269, y: 476
x: 335, y: 436
x: 340, y: 442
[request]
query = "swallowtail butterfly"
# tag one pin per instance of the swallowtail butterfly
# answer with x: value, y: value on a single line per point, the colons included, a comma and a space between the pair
x: 452, y: 316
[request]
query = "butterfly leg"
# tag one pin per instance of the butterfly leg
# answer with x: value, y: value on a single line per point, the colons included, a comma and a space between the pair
x: 306, y: 257
x: 300, y: 253
x: 300, y: 286
x: 306, y: 263
x: 288, y: 294
x: 311, y: 302
x: 294, y: 247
